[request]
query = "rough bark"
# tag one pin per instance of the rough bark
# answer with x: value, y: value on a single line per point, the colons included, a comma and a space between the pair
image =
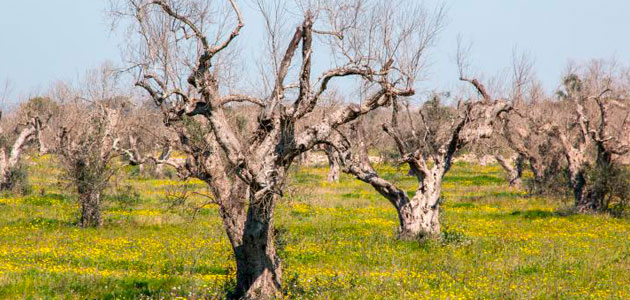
x: 90, y: 201
x: 514, y: 168
x: 420, y: 217
x: 333, y: 163
x: 258, y: 271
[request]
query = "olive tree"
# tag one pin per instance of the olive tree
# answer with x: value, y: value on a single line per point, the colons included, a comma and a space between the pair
x: 594, y: 130
x: 184, y: 53
x: 427, y: 145
x: 84, y: 136
x: 24, y: 128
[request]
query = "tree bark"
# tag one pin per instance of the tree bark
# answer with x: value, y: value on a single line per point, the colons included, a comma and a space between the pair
x: 513, y: 167
x: 333, y: 163
x: 586, y: 200
x: 258, y: 271
x: 90, y: 200
x: 419, y: 218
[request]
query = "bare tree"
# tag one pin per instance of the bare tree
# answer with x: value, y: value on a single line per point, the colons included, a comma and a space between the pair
x: 84, y: 135
x: 11, y: 153
x: 525, y: 132
x: 86, y: 150
x: 594, y: 100
x: 428, y: 146
x: 246, y: 170
x: 29, y: 121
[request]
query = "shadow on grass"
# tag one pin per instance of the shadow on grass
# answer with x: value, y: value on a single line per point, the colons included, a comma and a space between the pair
x: 540, y: 214
x: 474, y: 180
x: 43, y: 222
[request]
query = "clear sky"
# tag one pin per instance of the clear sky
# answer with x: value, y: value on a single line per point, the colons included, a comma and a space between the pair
x: 46, y: 40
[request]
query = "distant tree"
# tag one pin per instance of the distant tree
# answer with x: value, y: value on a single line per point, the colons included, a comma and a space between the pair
x: 428, y: 145
x: 596, y: 131
x: 84, y: 135
x: 86, y: 152
x: 29, y: 121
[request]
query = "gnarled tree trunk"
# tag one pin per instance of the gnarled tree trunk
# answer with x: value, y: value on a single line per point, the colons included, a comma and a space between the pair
x: 514, y: 168
x: 258, y: 271
x: 420, y: 217
x: 250, y: 231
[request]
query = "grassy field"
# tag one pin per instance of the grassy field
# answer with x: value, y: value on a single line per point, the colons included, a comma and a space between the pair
x: 337, y: 241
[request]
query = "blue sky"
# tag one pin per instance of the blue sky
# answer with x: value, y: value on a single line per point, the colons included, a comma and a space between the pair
x: 43, y: 40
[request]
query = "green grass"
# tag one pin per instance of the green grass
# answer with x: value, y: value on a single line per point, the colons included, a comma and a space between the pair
x: 336, y: 241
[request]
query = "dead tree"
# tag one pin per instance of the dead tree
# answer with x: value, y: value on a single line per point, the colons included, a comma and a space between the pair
x: 11, y: 153
x: 246, y: 171
x: 525, y: 131
x: 83, y: 136
x: 30, y: 119
x: 590, y: 129
x: 428, y: 151
x: 86, y: 150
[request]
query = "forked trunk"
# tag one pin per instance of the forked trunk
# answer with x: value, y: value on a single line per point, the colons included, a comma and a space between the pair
x: 419, y: 217
x: 258, y: 271
x: 90, y: 201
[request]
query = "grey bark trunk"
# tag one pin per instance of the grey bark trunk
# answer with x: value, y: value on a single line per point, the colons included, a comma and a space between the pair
x: 513, y: 167
x: 419, y: 218
x: 333, y: 163
x: 258, y: 271
x: 90, y: 201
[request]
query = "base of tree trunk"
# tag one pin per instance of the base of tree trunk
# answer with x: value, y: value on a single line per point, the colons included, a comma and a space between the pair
x: 417, y: 223
x: 258, y: 271
x: 516, y: 182
x: 588, y: 204
x: 259, y: 284
x: 333, y: 175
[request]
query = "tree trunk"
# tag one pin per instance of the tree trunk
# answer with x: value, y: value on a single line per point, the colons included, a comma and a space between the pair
x: 586, y: 201
x: 419, y: 218
x: 333, y: 163
x: 90, y: 201
x: 5, y: 178
x: 258, y: 272
x: 513, y: 167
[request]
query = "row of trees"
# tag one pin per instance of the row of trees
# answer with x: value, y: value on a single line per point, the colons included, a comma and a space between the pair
x: 241, y: 141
